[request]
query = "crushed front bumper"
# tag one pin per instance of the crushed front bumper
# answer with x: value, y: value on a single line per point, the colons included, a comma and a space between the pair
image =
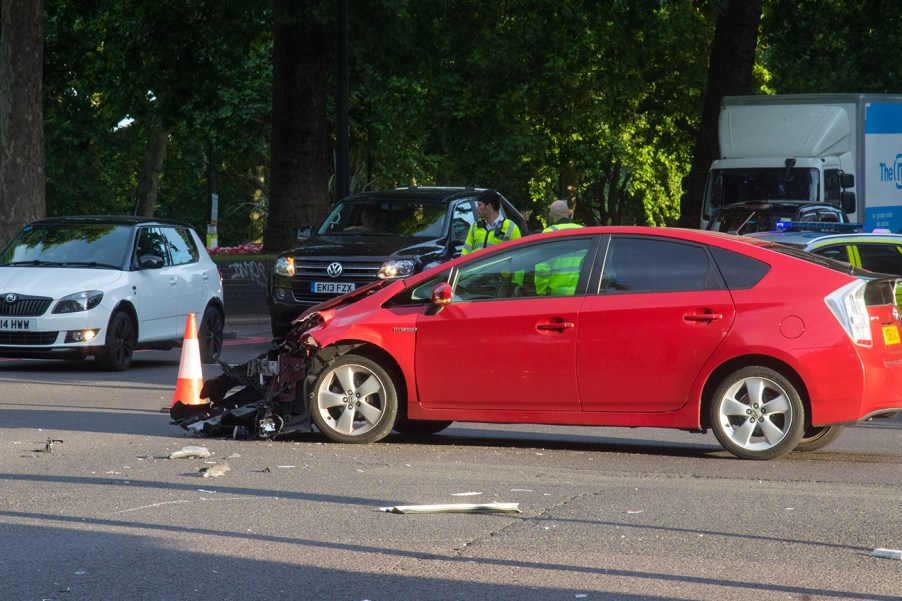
x: 262, y: 398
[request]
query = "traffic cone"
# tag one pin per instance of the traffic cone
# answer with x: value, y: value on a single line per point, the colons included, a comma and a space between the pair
x: 191, y: 375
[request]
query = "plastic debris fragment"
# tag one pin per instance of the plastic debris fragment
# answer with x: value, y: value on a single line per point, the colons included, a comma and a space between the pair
x: 887, y: 553
x: 216, y: 470
x: 455, y: 508
x: 190, y: 451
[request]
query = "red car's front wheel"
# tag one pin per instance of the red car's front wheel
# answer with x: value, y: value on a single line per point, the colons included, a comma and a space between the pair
x: 354, y: 400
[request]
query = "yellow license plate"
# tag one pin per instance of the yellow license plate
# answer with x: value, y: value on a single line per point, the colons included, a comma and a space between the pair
x: 891, y: 334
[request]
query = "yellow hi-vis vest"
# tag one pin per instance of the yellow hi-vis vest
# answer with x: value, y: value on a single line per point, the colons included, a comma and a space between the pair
x: 559, y: 276
x: 479, y: 237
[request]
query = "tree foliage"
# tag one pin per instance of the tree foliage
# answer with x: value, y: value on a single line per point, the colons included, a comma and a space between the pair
x: 602, y: 102
x: 590, y: 99
x: 194, y: 74
x: 812, y: 46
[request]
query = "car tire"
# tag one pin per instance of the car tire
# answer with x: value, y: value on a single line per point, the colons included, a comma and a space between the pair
x: 757, y: 413
x: 815, y: 439
x: 119, y: 348
x: 354, y: 400
x: 420, y: 427
x: 210, y: 335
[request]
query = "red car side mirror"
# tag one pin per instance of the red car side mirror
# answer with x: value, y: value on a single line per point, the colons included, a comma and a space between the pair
x: 441, y: 294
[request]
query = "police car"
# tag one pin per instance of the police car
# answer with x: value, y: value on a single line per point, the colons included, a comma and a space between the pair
x: 767, y: 215
x: 875, y: 251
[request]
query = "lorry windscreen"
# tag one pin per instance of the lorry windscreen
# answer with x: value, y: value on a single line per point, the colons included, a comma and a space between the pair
x: 730, y: 186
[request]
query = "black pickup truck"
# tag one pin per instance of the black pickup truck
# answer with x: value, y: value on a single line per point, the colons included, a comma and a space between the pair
x: 372, y: 235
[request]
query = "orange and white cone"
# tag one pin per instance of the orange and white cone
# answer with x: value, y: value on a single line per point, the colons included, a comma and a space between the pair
x: 191, y: 374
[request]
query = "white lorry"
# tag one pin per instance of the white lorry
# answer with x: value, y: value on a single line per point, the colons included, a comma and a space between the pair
x: 843, y: 149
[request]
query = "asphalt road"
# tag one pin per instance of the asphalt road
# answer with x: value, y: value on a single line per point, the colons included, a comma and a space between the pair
x: 606, y: 513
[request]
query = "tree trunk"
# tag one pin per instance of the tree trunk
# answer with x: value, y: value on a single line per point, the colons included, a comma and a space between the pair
x: 730, y: 72
x: 149, y: 173
x: 299, y: 192
x: 21, y: 115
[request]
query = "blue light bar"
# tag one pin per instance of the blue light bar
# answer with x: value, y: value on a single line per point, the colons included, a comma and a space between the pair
x: 818, y: 226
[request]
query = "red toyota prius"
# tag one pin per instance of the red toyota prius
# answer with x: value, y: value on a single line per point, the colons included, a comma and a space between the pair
x: 772, y: 348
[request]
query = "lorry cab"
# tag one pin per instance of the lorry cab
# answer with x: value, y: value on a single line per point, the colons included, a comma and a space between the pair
x: 775, y: 180
x: 842, y: 149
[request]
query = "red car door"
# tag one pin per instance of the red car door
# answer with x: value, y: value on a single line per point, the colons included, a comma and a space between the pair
x: 499, y: 345
x: 661, y: 312
x: 506, y: 355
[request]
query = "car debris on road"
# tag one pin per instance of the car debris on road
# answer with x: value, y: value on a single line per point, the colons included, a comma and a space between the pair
x: 48, y: 446
x: 215, y: 471
x: 455, y: 508
x: 262, y: 398
x: 887, y: 553
x: 190, y: 451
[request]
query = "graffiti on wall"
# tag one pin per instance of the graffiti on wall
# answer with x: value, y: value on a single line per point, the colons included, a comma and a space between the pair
x: 253, y: 271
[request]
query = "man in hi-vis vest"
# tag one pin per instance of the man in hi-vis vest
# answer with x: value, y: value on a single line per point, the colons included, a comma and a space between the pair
x: 490, y: 228
x: 559, y: 276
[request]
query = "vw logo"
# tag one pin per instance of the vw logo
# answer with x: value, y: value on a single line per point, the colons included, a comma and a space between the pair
x: 10, y: 298
x: 334, y: 270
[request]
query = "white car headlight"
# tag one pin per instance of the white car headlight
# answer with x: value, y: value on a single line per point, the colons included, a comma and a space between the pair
x: 396, y: 269
x: 80, y: 301
x: 284, y: 266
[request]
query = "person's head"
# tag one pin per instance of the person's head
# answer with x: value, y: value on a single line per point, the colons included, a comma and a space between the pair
x: 488, y: 204
x: 369, y: 216
x: 558, y: 211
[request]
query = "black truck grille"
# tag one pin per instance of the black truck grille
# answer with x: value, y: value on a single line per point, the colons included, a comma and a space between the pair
x: 307, y: 271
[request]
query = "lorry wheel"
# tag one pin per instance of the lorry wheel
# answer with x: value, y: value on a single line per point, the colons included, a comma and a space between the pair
x: 354, y: 400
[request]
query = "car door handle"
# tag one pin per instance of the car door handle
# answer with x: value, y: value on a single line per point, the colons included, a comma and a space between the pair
x: 173, y: 281
x: 555, y: 326
x: 702, y: 317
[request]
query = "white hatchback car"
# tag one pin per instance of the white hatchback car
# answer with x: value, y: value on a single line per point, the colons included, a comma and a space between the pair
x: 71, y: 287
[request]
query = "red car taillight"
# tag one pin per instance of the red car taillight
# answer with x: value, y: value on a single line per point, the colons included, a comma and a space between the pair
x: 850, y: 306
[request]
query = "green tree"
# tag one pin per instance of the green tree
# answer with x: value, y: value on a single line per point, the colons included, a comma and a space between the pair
x: 581, y: 98
x: 599, y: 101
x: 193, y: 77
x: 812, y: 46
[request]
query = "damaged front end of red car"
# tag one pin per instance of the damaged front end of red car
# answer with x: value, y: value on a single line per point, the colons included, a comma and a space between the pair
x: 262, y: 398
